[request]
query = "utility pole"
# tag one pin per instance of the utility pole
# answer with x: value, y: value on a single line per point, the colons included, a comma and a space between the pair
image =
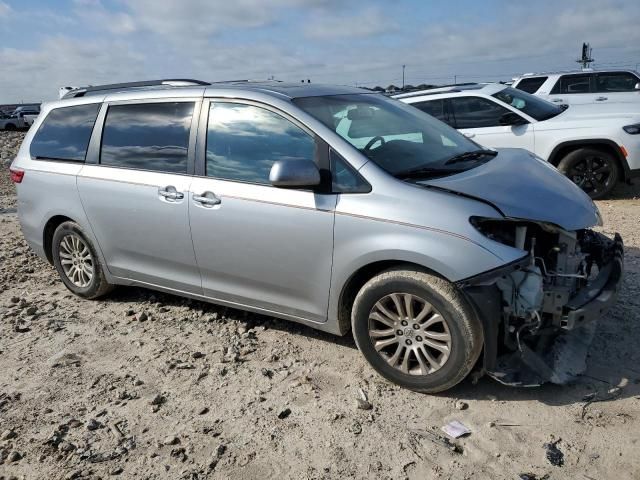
x: 586, y: 57
x: 403, y: 76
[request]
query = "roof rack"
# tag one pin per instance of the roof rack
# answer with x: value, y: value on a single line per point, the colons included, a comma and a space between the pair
x: 95, y: 89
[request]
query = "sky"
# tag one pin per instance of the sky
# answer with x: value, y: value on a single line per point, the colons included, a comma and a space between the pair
x: 48, y: 44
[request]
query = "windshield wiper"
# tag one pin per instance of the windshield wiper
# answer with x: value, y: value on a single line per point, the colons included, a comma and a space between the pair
x: 473, y: 154
x: 426, y: 172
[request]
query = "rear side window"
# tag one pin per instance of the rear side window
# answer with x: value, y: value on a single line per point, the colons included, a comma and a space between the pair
x: 616, y: 82
x: 65, y: 133
x: 531, y: 84
x: 569, y: 84
x: 244, y: 141
x: 147, y: 136
x: 476, y: 112
x: 435, y: 108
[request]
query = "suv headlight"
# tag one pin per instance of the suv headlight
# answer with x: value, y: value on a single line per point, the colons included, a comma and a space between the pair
x: 632, y: 129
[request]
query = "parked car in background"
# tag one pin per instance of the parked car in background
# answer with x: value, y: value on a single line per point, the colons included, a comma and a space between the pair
x: 594, y: 147
x: 29, y: 117
x: 12, y: 122
x: 331, y: 206
x: 583, y: 86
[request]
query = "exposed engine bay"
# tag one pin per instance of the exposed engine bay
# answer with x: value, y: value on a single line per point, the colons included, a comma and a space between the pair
x: 549, y: 302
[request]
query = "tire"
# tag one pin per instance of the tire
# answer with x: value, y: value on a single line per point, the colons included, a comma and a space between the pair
x: 10, y: 127
x: 447, y: 366
x: 594, y: 170
x: 70, y: 244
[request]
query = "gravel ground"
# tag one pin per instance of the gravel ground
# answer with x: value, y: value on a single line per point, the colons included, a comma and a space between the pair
x: 148, y: 385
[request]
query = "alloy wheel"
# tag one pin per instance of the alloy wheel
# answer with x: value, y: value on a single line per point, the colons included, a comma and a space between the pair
x: 593, y: 174
x: 76, y: 260
x: 409, y: 334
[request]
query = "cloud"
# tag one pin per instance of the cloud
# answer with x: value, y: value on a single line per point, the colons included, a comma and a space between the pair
x: 330, y: 41
x: 97, y: 16
x: 4, y: 10
x: 368, y: 23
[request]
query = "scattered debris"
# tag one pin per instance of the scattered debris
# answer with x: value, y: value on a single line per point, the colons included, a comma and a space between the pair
x: 439, y: 440
x: 284, y: 413
x: 460, y: 405
x: 553, y: 453
x: 533, y: 476
x: 456, y: 429
x: 362, y: 401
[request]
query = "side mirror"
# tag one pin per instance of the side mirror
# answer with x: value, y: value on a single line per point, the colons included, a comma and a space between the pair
x: 511, y: 118
x: 294, y: 174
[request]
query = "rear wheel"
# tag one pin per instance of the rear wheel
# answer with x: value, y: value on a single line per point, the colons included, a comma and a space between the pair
x: 77, y: 263
x: 416, y: 330
x: 595, y: 171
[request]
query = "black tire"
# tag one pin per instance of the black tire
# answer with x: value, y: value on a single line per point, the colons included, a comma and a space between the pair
x: 464, y: 328
x: 594, y: 170
x: 10, y: 127
x: 97, y: 286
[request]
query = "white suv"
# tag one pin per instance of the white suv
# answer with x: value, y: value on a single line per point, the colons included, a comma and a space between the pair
x: 583, y: 86
x: 594, y: 149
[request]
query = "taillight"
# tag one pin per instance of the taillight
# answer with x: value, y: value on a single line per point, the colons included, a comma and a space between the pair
x: 16, y: 175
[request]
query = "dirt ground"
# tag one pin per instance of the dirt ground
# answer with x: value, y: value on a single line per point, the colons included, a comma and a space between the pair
x: 148, y: 385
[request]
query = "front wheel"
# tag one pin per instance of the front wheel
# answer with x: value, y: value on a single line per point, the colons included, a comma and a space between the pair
x: 77, y: 263
x: 416, y: 330
x: 595, y: 171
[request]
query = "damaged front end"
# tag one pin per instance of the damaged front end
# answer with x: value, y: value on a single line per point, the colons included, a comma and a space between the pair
x: 539, y: 313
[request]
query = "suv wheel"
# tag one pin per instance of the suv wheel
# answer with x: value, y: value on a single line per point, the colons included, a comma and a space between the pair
x: 416, y: 330
x: 76, y: 261
x: 594, y: 171
x: 10, y: 127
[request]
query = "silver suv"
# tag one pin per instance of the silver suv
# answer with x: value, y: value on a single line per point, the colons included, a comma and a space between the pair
x: 331, y: 206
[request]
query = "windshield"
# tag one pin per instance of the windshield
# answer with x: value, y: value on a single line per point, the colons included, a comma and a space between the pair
x: 530, y: 104
x: 397, y: 137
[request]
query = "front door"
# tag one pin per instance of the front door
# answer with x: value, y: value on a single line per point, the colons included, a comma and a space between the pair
x: 257, y: 245
x: 479, y: 119
x: 135, y: 193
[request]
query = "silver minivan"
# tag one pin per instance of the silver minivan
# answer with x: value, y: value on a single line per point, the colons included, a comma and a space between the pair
x: 331, y: 206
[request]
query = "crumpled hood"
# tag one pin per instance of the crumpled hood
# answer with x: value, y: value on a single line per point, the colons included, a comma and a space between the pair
x: 522, y: 186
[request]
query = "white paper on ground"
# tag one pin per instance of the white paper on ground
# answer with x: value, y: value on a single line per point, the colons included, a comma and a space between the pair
x: 455, y: 429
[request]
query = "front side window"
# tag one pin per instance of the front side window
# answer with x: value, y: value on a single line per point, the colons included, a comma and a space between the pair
x: 344, y: 177
x: 147, y: 136
x: 244, y: 141
x: 435, y: 108
x: 65, y: 133
x: 531, y: 84
x: 616, y: 82
x: 530, y: 104
x: 397, y: 137
x: 476, y: 112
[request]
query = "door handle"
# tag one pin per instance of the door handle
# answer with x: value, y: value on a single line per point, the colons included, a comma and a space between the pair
x: 469, y: 135
x: 557, y: 100
x: 208, y: 199
x: 170, y: 193
x: 601, y: 99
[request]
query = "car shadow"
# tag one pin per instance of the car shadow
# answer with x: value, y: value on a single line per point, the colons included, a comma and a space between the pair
x: 624, y: 191
x: 613, y: 363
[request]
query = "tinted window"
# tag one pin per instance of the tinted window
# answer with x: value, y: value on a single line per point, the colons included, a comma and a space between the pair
x: 531, y: 84
x: 344, y: 178
x: 147, y: 136
x: 530, y: 104
x: 616, y: 82
x: 572, y: 84
x: 476, y: 112
x: 435, y: 108
x: 243, y: 142
x: 65, y: 133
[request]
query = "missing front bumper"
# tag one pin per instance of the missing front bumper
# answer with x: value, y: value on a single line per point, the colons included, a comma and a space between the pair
x: 556, y: 353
